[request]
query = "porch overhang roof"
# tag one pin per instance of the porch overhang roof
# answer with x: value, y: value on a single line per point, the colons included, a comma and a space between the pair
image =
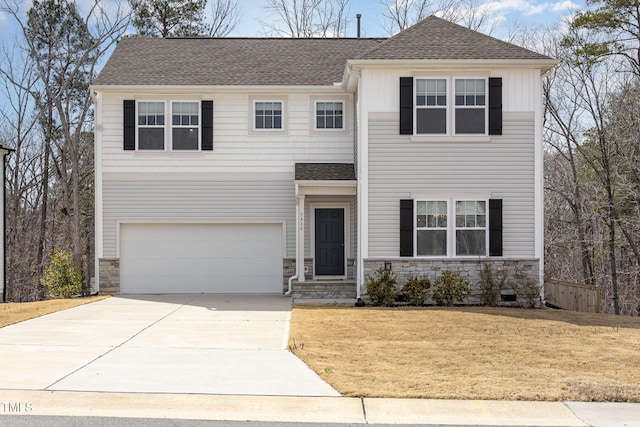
x: 325, y: 179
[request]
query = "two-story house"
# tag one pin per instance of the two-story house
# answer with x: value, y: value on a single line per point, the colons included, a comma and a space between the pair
x: 250, y: 165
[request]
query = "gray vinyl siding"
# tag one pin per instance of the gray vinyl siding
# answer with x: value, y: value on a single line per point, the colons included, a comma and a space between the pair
x: 194, y: 201
x: 503, y: 168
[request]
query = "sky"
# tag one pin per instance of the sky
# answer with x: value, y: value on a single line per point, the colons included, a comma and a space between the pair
x: 507, y: 12
x: 532, y: 12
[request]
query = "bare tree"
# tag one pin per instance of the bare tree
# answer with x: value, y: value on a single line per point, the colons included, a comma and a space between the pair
x: 474, y: 15
x: 65, y: 49
x: 307, y: 18
x: 224, y: 17
x: 23, y: 175
x: 399, y: 15
x: 564, y: 185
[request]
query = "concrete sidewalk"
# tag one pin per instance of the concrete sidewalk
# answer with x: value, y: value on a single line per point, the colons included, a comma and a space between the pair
x: 307, y: 410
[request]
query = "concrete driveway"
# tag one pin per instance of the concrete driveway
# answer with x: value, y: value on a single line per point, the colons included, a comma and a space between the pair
x: 210, y: 344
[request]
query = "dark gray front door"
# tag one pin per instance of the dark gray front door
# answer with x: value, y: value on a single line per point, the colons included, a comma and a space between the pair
x: 329, y: 252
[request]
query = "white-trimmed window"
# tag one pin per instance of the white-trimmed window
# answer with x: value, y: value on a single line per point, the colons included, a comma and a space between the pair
x: 439, y: 107
x: 185, y: 125
x: 268, y: 115
x: 470, y: 106
x: 431, y: 106
x: 329, y: 115
x: 431, y: 227
x: 151, y: 125
x: 471, y: 227
x: 438, y: 236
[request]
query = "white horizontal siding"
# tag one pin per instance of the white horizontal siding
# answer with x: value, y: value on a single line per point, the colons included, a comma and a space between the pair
x: 236, y: 147
x: 518, y: 87
x: 144, y: 200
x: 502, y: 168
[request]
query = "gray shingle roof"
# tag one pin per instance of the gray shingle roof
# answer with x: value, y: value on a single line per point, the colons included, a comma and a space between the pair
x: 325, y: 172
x: 288, y: 61
x: 231, y: 61
x: 436, y: 38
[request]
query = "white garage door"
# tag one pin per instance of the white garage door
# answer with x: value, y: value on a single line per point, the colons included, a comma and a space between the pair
x: 194, y: 258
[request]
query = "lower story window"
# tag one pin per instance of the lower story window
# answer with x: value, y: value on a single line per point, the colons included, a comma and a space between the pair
x: 471, y: 227
x: 431, y: 228
x: 436, y: 234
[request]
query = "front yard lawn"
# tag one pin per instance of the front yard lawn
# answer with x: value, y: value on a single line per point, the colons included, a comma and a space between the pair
x: 470, y: 353
x: 14, y: 312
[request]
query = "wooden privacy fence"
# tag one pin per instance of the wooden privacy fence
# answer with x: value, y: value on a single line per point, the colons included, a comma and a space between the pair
x: 572, y: 296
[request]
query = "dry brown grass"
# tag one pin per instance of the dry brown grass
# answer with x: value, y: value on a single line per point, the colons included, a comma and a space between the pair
x: 470, y: 353
x: 11, y: 313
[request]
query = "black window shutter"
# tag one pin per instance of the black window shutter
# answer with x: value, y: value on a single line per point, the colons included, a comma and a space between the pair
x: 406, y: 105
x: 495, y: 106
x: 406, y: 227
x: 207, y: 125
x: 495, y: 227
x: 129, y: 120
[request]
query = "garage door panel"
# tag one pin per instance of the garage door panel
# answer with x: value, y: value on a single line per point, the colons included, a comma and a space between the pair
x: 193, y: 258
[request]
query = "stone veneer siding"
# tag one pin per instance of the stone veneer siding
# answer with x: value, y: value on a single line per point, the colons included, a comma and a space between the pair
x: 109, y: 271
x: 522, y: 273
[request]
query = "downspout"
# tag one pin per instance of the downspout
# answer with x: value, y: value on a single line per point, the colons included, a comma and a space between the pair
x: 297, y: 273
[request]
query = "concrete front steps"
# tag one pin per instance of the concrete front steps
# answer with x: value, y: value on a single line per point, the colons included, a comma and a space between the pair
x: 324, y: 289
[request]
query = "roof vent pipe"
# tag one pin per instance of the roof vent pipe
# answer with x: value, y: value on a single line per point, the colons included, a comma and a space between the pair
x: 358, y: 16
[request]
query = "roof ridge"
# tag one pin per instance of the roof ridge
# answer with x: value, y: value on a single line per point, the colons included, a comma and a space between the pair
x: 435, y: 23
x: 255, y: 38
x: 390, y: 39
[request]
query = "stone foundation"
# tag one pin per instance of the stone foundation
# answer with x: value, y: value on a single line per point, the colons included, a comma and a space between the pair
x: 289, y: 269
x: 521, y: 288
x: 109, y: 273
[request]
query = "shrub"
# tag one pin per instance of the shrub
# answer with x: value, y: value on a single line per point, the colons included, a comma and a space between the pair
x: 490, y: 285
x: 382, y: 288
x: 61, y: 279
x: 417, y: 289
x: 526, y: 288
x: 450, y: 287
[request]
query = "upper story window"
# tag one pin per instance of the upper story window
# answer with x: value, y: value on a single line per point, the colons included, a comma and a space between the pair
x: 438, y: 109
x: 189, y: 127
x: 151, y: 125
x: 470, y: 115
x: 185, y: 119
x: 431, y: 106
x: 268, y: 115
x: 329, y: 115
